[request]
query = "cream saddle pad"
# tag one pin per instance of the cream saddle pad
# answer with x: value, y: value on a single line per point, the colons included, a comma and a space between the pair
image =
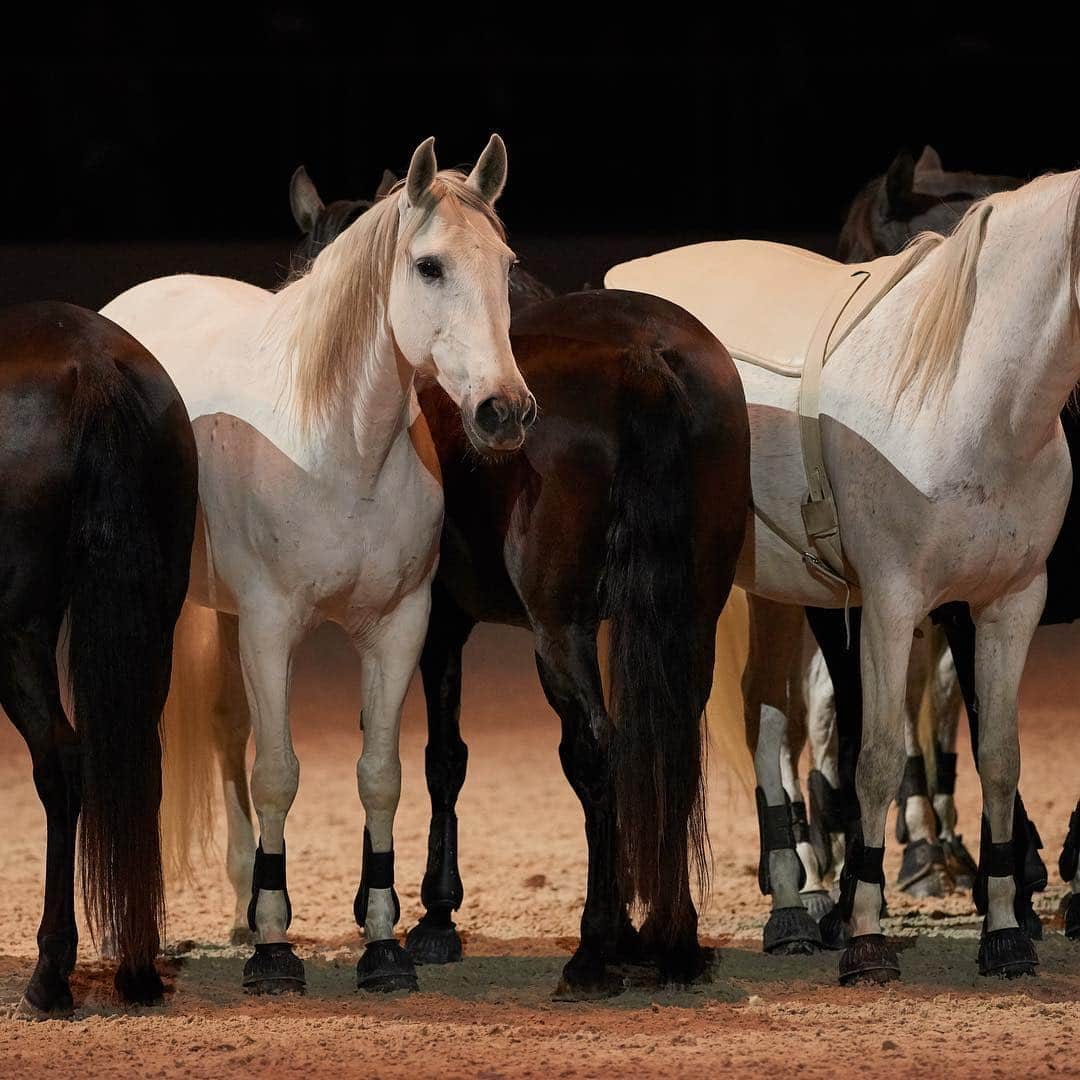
x: 784, y: 309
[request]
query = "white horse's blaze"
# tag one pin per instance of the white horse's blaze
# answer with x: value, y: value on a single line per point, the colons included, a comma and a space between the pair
x: 958, y: 500
x: 319, y: 486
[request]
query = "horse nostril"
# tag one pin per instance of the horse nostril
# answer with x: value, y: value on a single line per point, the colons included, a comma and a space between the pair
x: 529, y: 415
x: 491, y: 414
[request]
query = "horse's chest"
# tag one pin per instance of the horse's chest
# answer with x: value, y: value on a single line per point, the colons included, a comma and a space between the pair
x: 270, y: 524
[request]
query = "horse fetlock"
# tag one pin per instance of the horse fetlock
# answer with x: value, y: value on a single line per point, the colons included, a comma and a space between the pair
x: 945, y: 809
x: 1001, y: 903
x: 270, y: 911
x: 376, y: 907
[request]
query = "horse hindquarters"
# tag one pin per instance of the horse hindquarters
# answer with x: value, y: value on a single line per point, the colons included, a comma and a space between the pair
x: 130, y: 548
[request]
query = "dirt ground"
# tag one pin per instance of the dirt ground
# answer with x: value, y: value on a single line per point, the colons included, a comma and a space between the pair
x: 523, y: 863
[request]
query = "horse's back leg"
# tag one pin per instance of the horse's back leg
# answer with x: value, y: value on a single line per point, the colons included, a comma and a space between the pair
x: 30, y: 694
x: 570, y: 676
x: 923, y: 871
x: 435, y: 940
x: 815, y: 896
x: 826, y: 819
x: 231, y: 732
x: 773, y: 666
x: 946, y: 701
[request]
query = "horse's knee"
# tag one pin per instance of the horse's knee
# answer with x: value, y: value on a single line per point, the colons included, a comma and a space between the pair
x: 274, y: 782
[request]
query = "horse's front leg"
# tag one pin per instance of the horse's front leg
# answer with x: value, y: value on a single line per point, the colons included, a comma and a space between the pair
x: 888, y: 623
x: 435, y: 940
x: 389, y: 652
x: 955, y: 619
x: 1003, y: 635
x: 268, y: 633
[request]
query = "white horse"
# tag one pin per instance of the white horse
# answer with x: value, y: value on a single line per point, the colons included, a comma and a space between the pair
x: 942, y: 440
x: 320, y: 492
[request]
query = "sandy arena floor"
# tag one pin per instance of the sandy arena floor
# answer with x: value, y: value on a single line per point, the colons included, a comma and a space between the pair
x: 523, y: 862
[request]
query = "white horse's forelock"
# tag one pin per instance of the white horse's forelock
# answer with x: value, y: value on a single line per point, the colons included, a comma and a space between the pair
x: 333, y: 314
x: 940, y: 313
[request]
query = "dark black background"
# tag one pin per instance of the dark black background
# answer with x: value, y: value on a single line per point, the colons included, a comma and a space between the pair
x: 179, y: 126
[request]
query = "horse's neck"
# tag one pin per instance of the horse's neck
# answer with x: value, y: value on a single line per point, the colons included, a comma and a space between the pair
x: 353, y: 447
x: 1021, y: 350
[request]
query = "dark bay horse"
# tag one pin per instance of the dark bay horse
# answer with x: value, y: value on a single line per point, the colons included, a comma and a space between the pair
x: 97, y: 513
x: 910, y: 198
x: 629, y: 503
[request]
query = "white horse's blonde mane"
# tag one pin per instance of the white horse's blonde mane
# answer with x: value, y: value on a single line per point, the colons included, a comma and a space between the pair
x: 934, y: 335
x: 340, y: 303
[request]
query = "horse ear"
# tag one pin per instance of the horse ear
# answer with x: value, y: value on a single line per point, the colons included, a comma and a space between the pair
x: 899, y: 183
x: 385, y: 184
x: 488, y: 178
x: 422, y: 170
x: 304, y: 200
x: 929, y: 161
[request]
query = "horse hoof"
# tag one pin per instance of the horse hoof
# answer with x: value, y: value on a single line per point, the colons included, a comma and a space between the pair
x: 868, y: 958
x: 834, y: 930
x: 47, y: 995
x: 241, y: 935
x: 791, y: 932
x: 959, y: 863
x: 427, y: 944
x: 27, y: 1011
x: 1072, y: 917
x: 139, y: 987
x: 274, y: 969
x: 586, y: 977
x: 923, y: 871
x: 687, y: 967
x: 818, y: 904
x: 596, y: 988
x: 384, y: 968
x: 1007, y: 953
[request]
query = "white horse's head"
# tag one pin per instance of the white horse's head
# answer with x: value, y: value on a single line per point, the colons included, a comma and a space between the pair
x: 448, y: 302
x: 425, y: 267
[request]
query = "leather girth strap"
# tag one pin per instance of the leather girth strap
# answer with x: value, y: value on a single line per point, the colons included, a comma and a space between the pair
x: 819, y: 507
x: 849, y: 304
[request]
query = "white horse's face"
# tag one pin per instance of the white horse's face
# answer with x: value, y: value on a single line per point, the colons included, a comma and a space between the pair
x: 449, y: 306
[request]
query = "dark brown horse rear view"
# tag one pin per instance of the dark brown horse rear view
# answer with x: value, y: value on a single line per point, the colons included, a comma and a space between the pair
x: 97, y: 511
x: 628, y: 503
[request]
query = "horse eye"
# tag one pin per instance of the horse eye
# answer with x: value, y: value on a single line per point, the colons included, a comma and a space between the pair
x: 429, y: 268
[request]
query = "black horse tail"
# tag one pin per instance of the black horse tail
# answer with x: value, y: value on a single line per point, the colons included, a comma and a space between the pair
x: 119, y: 646
x: 656, y: 688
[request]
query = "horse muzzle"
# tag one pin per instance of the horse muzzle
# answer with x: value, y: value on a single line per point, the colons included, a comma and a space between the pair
x: 499, y: 422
